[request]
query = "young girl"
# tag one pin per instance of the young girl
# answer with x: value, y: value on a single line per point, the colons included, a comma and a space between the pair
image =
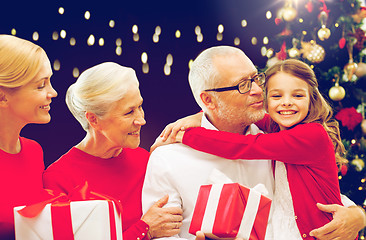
x: 307, y: 152
x: 25, y: 97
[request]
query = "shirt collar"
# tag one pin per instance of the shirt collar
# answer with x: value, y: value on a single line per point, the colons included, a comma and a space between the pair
x: 252, y: 129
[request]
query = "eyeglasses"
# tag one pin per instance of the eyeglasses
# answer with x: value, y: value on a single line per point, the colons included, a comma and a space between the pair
x: 243, y: 86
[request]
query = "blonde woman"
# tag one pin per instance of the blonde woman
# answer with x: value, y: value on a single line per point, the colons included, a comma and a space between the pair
x: 25, y: 97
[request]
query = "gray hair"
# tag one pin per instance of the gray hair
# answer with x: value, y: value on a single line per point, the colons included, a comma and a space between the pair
x: 97, y: 89
x: 203, y: 73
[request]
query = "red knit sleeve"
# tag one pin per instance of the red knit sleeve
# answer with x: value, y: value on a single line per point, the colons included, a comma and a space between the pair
x: 137, y: 231
x: 297, y: 145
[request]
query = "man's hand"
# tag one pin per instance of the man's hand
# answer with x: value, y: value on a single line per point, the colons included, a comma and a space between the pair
x: 201, y: 236
x: 163, y: 222
x: 346, y: 223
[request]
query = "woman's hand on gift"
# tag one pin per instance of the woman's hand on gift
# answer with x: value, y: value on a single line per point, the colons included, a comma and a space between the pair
x: 163, y: 222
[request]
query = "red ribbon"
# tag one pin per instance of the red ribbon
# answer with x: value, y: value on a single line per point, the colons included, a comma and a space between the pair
x: 61, y: 213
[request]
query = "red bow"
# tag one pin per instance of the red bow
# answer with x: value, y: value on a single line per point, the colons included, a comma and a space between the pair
x: 61, y: 213
x: 79, y: 193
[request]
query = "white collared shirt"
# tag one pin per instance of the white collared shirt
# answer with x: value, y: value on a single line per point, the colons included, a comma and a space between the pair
x: 179, y: 171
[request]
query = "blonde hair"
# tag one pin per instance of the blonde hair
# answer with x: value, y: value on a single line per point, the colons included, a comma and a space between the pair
x: 97, y: 89
x: 20, y: 61
x: 319, y: 110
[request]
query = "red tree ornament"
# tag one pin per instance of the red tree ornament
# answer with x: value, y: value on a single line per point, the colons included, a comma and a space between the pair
x: 342, y: 43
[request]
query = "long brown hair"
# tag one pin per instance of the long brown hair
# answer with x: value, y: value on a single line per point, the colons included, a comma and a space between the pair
x: 319, y: 109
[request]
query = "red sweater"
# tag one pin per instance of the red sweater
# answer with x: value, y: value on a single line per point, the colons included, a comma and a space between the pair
x: 307, y: 152
x: 120, y: 177
x: 20, y: 182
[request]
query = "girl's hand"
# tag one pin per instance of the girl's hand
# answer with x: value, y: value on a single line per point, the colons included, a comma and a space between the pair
x: 160, y: 141
x: 171, y: 130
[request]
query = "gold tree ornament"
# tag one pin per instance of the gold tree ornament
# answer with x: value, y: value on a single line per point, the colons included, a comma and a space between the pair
x: 293, y: 52
x: 350, y: 68
x: 358, y: 163
x: 323, y: 33
x: 337, y: 93
x: 288, y: 12
x: 312, y: 51
x: 361, y: 69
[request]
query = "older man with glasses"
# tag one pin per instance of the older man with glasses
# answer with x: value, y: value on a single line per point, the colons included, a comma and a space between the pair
x: 228, y: 88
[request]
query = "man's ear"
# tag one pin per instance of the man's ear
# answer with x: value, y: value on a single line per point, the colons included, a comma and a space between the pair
x: 92, y: 119
x: 208, y: 100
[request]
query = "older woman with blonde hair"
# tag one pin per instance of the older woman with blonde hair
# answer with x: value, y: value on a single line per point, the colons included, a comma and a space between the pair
x: 106, y: 101
x: 25, y: 97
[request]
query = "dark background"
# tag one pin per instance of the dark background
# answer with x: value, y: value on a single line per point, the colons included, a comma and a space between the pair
x: 166, y: 98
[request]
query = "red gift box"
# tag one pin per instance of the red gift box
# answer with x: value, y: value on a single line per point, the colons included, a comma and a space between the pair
x: 230, y: 211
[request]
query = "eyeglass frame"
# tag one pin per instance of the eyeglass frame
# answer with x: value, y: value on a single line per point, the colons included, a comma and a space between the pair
x: 236, y: 87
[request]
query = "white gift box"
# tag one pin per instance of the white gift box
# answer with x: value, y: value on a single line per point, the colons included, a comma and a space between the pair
x: 90, y: 219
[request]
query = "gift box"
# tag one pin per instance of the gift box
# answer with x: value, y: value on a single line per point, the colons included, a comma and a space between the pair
x: 62, y: 218
x: 226, y: 211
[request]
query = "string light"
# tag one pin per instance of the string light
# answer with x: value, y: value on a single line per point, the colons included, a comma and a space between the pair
x: 87, y: 15
x: 244, y: 23
x: 13, y: 32
x: 75, y: 72
x: 118, y: 42
x: 56, y: 65
x: 177, y: 34
x: 197, y: 30
x: 61, y: 10
x: 55, y: 35
x: 264, y: 51
x: 268, y: 14
x: 101, y: 41
x: 72, y: 41
x: 35, y: 36
x: 158, y: 30
x: 220, y: 28
x: 63, y: 34
x: 254, y: 41
x: 145, y: 68
x: 219, y: 36
x: 236, y: 41
x: 135, y: 29
x: 190, y: 63
x: 119, y: 50
x: 169, y: 59
x: 167, y: 70
x: 265, y: 40
x: 199, y: 38
x: 91, y: 40
x: 155, y: 38
x: 144, y: 57
x: 111, y: 23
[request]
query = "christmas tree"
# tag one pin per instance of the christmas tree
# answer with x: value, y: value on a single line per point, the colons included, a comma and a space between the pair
x: 330, y: 36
